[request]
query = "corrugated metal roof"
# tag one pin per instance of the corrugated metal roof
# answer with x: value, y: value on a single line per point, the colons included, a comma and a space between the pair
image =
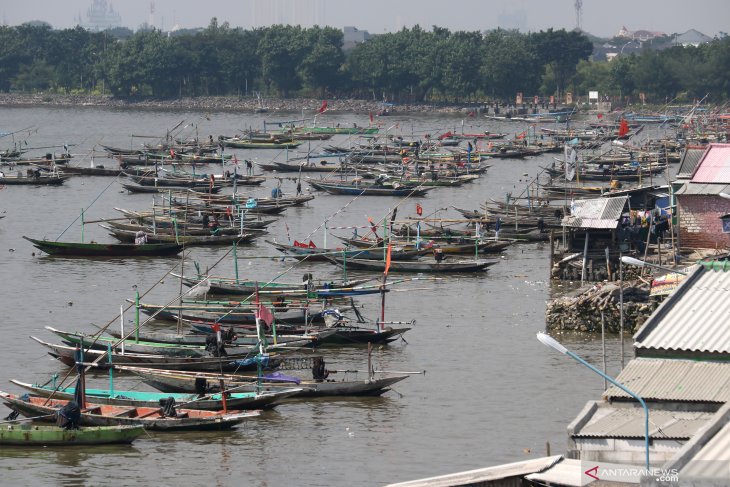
x: 712, y: 461
x: 714, y: 167
x: 690, y: 158
x: 612, y: 422
x: 695, y: 318
x: 674, y: 380
x: 596, y: 213
x: 567, y: 472
x: 703, y: 189
x: 497, y: 472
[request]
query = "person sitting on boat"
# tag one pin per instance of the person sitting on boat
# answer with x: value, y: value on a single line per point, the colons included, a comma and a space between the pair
x: 438, y: 255
x: 319, y: 372
x: 140, y: 238
x: 206, y: 220
x: 214, y: 225
x: 541, y: 225
x: 216, y: 348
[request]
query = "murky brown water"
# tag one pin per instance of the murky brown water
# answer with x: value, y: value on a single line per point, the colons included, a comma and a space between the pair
x: 492, y: 393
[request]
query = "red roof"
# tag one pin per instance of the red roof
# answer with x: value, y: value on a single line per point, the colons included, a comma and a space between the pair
x: 714, y: 167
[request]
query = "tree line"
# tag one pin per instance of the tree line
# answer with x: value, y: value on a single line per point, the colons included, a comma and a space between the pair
x: 414, y: 65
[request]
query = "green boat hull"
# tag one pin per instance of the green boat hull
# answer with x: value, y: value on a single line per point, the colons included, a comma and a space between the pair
x: 27, y: 434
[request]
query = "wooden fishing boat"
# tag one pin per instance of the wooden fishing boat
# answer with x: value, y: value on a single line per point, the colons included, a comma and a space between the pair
x: 446, y: 247
x: 319, y: 254
x: 229, y: 316
x: 150, y: 418
x: 172, y: 349
x: 78, y: 249
x: 183, y: 228
x: 35, y: 180
x: 259, y: 144
x: 91, y: 171
x: 303, y: 166
x: 137, y: 188
x: 312, y: 339
x: 230, y: 363
x: 214, y: 402
x: 187, y: 240
x: 463, y: 266
x: 229, y: 285
x: 28, y: 434
x: 172, y: 381
x: 358, y: 190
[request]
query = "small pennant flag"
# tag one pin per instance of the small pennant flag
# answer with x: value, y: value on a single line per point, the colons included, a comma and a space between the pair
x: 264, y: 314
x: 371, y: 117
x: 235, y: 160
x: 323, y: 108
x: 419, y: 209
x: 387, y: 260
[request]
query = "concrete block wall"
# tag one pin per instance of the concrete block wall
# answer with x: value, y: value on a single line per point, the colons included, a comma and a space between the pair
x: 699, y: 221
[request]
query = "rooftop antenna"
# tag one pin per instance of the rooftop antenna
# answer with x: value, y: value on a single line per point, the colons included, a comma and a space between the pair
x: 578, y: 15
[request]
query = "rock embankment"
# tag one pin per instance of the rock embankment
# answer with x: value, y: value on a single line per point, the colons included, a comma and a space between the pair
x: 581, y: 311
x: 214, y: 103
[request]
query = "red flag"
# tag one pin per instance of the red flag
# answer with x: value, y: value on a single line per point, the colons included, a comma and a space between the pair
x: 235, y: 160
x: 471, y: 114
x: 373, y: 228
x: 623, y: 128
x: 599, y: 115
x: 172, y: 153
x: 371, y: 117
x: 216, y: 327
x: 387, y: 260
x: 323, y: 107
x: 419, y: 209
x: 212, y: 181
x: 522, y: 135
x: 264, y: 314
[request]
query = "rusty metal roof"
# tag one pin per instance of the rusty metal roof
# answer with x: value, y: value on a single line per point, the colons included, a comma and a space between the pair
x: 623, y: 422
x: 714, y: 166
x: 674, y: 380
x: 690, y: 158
x: 695, y: 318
x: 596, y: 213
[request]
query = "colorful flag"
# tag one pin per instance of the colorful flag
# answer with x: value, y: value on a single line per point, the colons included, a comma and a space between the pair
x: 522, y: 135
x: 471, y: 114
x: 323, y: 107
x: 371, y: 117
x: 264, y: 314
x: 235, y: 160
x: 387, y: 260
x: 623, y: 128
x: 419, y: 209
x: 599, y: 115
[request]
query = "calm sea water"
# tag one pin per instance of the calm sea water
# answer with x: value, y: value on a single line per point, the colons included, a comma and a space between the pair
x: 491, y: 393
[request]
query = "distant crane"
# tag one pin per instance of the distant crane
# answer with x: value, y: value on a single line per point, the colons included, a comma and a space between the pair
x: 579, y: 15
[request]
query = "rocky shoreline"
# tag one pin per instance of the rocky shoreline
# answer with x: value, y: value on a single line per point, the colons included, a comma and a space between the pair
x: 581, y: 311
x: 213, y: 103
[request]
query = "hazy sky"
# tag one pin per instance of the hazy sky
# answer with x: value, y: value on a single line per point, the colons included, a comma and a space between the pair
x: 600, y: 17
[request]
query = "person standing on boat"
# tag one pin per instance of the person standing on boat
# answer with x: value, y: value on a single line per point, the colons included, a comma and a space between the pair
x: 319, y: 372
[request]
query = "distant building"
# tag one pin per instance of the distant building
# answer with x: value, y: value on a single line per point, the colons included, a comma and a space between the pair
x: 639, y: 35
x: 352, y: 36
x: 691, y: 38
x: 100, y: 16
